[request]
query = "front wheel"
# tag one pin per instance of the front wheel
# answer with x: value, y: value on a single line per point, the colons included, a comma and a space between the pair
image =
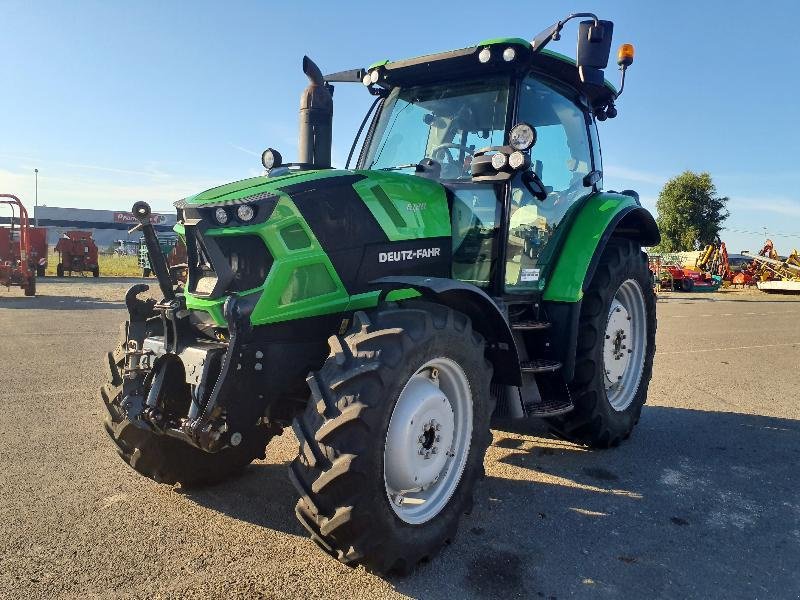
x: 616, y: 345
x: 393, y: 438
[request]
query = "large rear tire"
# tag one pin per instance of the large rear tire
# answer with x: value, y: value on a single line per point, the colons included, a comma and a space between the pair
x: 403, y: 397
x: 59, y: 270
x: 616, y: 344
x: 168, y: 460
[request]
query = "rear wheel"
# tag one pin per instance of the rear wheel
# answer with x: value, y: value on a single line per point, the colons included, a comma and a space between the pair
x: 393, y: 438
x: 165, y: 459
x: 96, y: 272
x: 145, y: 272
x: 616, y: 344
x: 60, y: 270
x: 30, y: 289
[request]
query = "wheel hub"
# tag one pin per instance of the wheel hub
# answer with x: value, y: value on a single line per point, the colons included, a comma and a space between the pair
x: 617, y: 347
x: 420, y: 435
x: 428, y: 440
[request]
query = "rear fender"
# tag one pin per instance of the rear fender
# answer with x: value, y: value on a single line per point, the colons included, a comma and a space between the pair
x: 604, y: 216
x: 487, y: 317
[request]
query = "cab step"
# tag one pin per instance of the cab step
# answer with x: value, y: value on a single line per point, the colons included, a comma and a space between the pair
x: 549, y: 408
x: 530, y: 325
x: 539, y: 365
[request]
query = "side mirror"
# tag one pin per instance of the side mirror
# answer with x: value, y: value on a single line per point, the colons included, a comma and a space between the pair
x: 594, y: 47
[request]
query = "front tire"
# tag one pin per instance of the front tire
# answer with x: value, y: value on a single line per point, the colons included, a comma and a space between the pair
x: 616, y: 345
x: 372, y: 403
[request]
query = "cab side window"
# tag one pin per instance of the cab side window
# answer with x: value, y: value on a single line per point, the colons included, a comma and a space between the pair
x: 562, y: 158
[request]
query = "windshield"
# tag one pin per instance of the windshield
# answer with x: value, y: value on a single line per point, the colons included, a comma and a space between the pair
x: 445, y: 122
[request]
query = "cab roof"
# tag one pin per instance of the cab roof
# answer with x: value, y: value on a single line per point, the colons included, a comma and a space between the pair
x: 464, y: 63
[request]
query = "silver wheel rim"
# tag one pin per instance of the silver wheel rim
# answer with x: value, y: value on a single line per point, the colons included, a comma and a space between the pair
x: 428, y: 441
x: 624, y: 345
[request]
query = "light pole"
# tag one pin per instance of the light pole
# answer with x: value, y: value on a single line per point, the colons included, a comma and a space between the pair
x: 36, y: 197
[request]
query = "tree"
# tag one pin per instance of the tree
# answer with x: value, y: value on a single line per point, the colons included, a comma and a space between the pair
x: 690, y: 214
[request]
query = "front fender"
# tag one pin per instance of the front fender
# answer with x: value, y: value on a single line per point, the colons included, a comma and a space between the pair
x: 487, y: 317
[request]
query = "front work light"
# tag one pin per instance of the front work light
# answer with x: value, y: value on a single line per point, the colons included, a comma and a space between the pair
x: 245, y: 212
x: 625, y: 55
x: 221, y: 216
x: 271, y: 159
x: 522, y: 136
x: 509, y: 54
x: 517, y: 160
x: 485, y: 55
x: 499, y: 160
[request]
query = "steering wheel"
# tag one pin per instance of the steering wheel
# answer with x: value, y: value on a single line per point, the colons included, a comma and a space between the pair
x: 442, y: 154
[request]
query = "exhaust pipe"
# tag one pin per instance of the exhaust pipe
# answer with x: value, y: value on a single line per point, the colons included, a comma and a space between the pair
x: 316, y: 119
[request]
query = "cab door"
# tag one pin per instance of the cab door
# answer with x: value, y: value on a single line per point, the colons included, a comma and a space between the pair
x: 562, y: 158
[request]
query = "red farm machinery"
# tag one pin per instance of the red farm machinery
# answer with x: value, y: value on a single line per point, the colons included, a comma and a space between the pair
x: 77, y: 254
x: 17, y: 264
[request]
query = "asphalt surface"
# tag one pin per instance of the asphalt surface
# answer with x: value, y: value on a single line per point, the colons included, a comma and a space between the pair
x: 701, y: 502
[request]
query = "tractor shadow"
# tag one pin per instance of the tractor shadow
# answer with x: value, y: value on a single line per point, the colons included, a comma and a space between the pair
x: 261, y: 495
x: 693, y: 501
x: 695, y: 504
x: 45, y: 302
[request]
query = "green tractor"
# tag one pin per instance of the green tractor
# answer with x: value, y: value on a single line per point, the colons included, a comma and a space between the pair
x: 468, y: 268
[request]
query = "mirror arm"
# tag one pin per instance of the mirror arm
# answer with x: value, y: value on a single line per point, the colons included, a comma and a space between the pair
x: 553, y: 32
x: 529, y: 177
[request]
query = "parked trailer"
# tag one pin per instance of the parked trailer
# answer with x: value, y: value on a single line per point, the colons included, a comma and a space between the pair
x: 77, y: 253
x: 15, y: 257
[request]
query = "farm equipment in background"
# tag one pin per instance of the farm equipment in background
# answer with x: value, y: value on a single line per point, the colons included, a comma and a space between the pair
x: 16, y: 266
x: 173, y: 248
x: 77, y: 253
x: 773, y: 274
x: 714, y: 261
x: 38, y: 249
x: 673, y: 276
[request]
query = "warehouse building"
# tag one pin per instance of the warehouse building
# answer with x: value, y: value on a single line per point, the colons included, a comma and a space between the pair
x: 107, y: 226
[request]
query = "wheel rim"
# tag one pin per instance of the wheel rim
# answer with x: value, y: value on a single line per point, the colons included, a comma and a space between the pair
x: 624, y: 345
x: 428, y: 441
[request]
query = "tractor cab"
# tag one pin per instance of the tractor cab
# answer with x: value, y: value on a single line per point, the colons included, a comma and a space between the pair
x: 510, y: 133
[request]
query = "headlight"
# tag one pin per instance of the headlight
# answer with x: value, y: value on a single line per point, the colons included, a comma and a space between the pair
x: 221, y: 216
x: 245, y: 212
x: 373, y: 76
x: 499, y: 160
x: 484, y: 55
x: 522, y: 136
x: 271, y: 158
x: 517, y: 160
x: 509, y: 54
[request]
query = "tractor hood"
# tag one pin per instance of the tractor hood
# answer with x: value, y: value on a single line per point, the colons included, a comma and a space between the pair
x: 315, y: 241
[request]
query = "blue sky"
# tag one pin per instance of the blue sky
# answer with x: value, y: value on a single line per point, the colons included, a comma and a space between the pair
x: 115, y: 102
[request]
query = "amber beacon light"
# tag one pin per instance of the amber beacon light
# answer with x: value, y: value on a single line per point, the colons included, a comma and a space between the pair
x: 625, y: 55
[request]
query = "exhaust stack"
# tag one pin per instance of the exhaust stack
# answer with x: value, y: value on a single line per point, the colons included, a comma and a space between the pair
x: 316, y: 119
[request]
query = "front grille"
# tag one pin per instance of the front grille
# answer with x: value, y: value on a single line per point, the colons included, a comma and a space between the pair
x: 246, y: 257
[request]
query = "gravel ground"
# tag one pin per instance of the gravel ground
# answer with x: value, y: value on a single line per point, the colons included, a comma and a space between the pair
x: 701, y: 502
